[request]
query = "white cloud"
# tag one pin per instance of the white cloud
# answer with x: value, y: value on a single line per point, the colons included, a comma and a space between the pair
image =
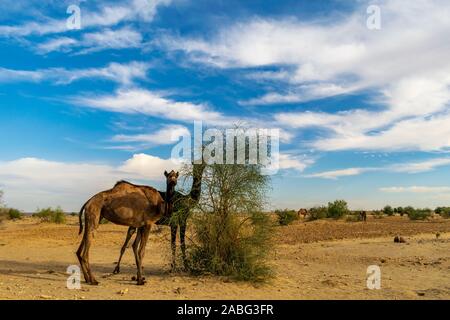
x: 335, y: 174
x: 405, y: 64
x: 422, y: 133
x: 285, y: 136
x: 170, y: 134
x: 416, y: 167
x: 47, y: 26
x: 146, y: 10
x: 288, y: 161
x: 263, y: 42
x: 124, y: 74
x: 166, y: 135
x: 302, y: 93
x: 135, y: 10
x: 56, y: 44
x: 412, y: 105
x: 9, y: 75
x: 150, y: 103
x: 408, y: 167
x: 416, y: 189
x: 329, y: 53
x: 148, y: 166
x: 29, y: 183
x: 104, y: 39
x: 104, y: 16
x: 109, y: 39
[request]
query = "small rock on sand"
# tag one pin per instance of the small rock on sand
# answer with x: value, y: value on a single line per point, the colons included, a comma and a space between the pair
x: 123, y: 291
x: 399, y: 239
x: 177, y: 290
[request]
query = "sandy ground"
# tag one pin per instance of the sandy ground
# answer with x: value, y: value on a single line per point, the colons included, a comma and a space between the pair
x: 312, y: 260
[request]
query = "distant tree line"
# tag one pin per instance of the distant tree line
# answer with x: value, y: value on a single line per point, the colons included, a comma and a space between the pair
x: 335, y: 210
x: 53, y: 215
x: 8, y: 213
x: 339, y: 209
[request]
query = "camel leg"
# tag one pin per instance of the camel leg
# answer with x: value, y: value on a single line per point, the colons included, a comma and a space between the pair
x: 136, y: 242
x: 80, y: 259
x: 143, y: 243
x: 173, y: 243
x: 85, y: 256
x: 183, y: 243
x: 131, y: 231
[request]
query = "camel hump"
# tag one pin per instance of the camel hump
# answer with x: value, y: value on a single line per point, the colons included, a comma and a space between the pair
x: 125, y: 187
x: 122, y: 182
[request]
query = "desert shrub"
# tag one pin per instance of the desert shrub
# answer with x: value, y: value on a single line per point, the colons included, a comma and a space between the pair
x: 232, y: 236
x: 337, y: 209
x: 352, y: 217
x: 387, y: 210
x: 231, y: 245
x: 286, y: 216
x: 443, y: 211
x: 14, y: 214
x: 56, y: 215
x: 408, y: 210
x: 316, y: 213
x: 377, y: 214
x: 10, y: 214
x: 419, y: 214
x: 399, y: 210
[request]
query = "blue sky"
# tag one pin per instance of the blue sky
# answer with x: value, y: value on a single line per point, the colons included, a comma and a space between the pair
x: 364, y: 114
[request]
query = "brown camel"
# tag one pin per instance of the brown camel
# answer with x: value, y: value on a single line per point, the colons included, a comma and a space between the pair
x: 182, y: 204
x: 129, y: 205
x: 362, y: 216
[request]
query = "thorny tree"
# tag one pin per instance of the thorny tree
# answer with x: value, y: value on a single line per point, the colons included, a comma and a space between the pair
x: 232, y: 234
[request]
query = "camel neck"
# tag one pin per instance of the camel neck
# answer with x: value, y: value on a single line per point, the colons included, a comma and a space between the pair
x: 170, y: 192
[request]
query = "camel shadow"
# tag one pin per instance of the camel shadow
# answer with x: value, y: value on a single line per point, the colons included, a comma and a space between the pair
x: 55, y: 271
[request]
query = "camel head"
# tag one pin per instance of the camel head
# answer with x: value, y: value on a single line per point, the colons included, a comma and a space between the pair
x: 171, y: 178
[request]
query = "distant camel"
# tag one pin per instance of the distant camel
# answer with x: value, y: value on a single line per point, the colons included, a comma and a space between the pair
x: 302, y: 213
x: 182, y: 204
x: 129, y: 205
x: 362, y: 216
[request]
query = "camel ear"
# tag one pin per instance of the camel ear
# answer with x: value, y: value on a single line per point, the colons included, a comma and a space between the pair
x: 178, y: 174
x: 165, y: 173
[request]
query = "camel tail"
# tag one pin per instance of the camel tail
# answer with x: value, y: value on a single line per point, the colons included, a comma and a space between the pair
x: 79, y: 217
